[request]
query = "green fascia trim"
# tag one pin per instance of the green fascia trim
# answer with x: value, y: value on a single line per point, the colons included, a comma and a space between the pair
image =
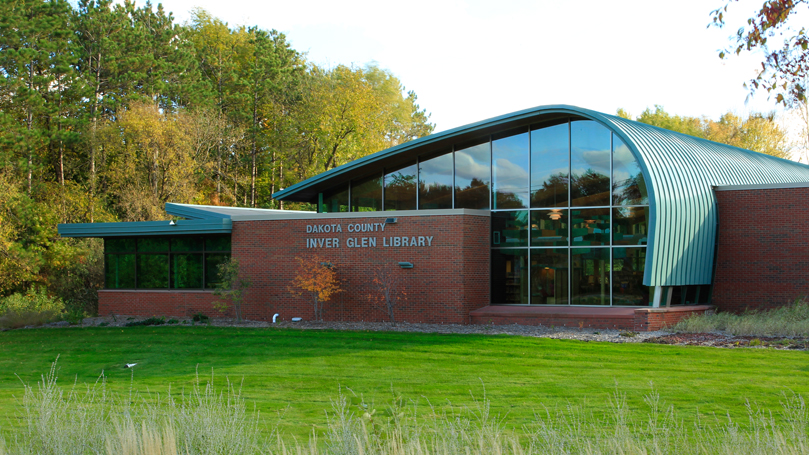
x: 145, y: 228
x: 680, y: 172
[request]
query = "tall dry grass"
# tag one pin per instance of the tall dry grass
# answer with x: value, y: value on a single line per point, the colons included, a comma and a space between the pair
x: 790, y: 320
x: 92, y: 420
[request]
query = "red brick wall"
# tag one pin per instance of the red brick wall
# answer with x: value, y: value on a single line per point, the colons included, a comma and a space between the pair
x: 762, y: 248
x: 154, y: 303
x: 622, y: 318
x: 449, y: 278
x: 651, y: 319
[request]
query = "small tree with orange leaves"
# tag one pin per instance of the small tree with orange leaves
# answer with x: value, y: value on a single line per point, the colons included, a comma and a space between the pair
x: 316, y: 281
x: 387, y: 293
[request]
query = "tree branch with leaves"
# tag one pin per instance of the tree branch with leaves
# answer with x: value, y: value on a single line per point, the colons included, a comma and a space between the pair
x: 785, y: 65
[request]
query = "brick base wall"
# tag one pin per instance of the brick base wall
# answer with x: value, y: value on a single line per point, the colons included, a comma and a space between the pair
x: 762, y: 248
x: 651, y: 319
x: 155, y: 303
x: 635, y: 319
x: 450, y: 276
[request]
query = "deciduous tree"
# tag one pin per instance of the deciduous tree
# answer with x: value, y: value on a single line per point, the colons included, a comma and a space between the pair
x: 387, y: 293
x: 316, y: 281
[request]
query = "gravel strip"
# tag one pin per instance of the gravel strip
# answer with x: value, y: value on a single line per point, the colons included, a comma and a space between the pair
x: 717, y: 340
x: 562, y: 333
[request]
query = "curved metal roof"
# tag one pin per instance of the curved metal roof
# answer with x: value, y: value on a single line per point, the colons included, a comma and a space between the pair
x: 679, y: 170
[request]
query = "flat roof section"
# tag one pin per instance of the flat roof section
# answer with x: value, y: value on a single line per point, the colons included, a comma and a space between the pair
x: 762, y: 186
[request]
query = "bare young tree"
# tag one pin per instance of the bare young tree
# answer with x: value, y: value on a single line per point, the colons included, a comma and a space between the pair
x: 386, y: 290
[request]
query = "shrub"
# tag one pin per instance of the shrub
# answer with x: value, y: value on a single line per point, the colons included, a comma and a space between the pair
x: 34, y: 307
x: 231, y: 288
x: 200, y: 317
x: 149, y: 321
x: 78, y: 275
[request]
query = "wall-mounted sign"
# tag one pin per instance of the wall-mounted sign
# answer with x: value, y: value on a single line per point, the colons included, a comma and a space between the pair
x: 361, y: 242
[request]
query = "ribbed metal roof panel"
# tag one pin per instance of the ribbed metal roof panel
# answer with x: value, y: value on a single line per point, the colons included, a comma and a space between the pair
x: 682, y: 170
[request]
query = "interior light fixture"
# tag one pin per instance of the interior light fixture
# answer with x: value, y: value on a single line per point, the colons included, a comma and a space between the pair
x: 555, y: 215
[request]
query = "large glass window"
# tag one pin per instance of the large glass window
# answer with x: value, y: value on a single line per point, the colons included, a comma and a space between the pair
x: 509, y: 275
x: 472, y: 176
x: 590, y: 280
x: 589, y: 164
x: 627, y: 277
x: 628, y: 187
x: 334, y: 200
x: 510, y: 228
x: 366, y: 194
x: 212, y: 263
x: 153, y: 271
x: 186, y: 271
x: 550, y: 165
x: 590, y: 227
x: 119, y: 271
x: 549, y: 227
x: 435, y: 182
x: 630, y: 225
x: 182, y: 262
x: 400, y: 188
x: 549, y: 275
x: 510, y: 168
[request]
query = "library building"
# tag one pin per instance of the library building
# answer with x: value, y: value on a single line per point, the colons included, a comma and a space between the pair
x: 555, y: 215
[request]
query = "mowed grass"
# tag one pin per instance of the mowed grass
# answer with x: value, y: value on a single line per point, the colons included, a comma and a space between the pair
x: 298, y: 373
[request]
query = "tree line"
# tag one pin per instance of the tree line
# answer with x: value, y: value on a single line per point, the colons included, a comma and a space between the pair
x: 108, y: 111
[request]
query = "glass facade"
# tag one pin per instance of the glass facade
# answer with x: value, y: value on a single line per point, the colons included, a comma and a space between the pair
x: 188, y: 262
x: 400, y: 188
x: 510, y: 152
x: 473, y: 176
x: 435, y: 182
x: 569, y: 206
x: 366, y: 194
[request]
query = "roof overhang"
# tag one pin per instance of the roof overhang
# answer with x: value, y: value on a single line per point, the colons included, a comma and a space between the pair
x: 146, y: 228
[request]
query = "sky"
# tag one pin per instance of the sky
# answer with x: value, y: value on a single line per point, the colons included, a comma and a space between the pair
x: 469, y: 60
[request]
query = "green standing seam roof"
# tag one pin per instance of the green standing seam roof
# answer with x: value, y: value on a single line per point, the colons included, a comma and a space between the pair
x: 679, y: 170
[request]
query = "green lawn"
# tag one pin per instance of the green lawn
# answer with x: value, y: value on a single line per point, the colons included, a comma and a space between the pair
x: 302, y: 370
